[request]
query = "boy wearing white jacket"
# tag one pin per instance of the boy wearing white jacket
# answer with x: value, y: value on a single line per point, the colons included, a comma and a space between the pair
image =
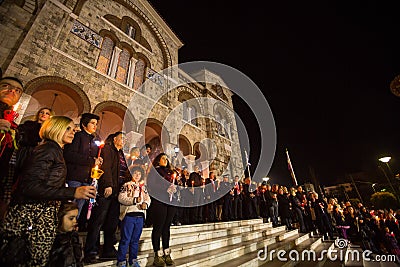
x: 135, y: 200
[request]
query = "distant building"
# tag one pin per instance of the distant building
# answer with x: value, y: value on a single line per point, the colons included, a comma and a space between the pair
x: 339, y: 189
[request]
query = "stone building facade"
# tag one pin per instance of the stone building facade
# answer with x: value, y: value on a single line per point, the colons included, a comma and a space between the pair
x: 107, y: 57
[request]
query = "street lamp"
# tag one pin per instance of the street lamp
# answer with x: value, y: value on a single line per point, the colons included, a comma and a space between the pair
x: 373, y: 187
x: 386, y: 161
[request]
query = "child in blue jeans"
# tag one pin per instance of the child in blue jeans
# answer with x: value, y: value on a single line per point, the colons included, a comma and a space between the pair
x: 134, y: 200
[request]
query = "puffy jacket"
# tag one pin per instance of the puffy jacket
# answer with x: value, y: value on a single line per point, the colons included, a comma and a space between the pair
x: 44, y: 178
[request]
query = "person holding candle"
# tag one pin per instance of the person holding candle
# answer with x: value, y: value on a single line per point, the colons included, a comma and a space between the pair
x: 160, y: 187
x: 134, y: 200
x: 197, y: 183
x: 40, y: 191
x: 106, y: 211
x: 81, y: 155
x: 11, y: 90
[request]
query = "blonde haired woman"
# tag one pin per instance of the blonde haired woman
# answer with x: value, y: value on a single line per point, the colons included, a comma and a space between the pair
x: 42, y: 186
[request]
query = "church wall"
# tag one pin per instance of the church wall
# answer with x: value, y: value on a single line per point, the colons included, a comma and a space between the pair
x: 50, y: 49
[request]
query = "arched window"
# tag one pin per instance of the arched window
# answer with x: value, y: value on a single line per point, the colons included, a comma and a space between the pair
x: 223, y: 127
x: 218, y: 119
x: 130, y: 31
x: 189, y: 113
x: 139, y: 74
x: 185, y: 111
x: 123, y: 65
x: 193, y: 115
x: 106, y: 53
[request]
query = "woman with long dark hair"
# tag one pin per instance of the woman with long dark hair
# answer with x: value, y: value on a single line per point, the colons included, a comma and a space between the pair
x: 161, y: 186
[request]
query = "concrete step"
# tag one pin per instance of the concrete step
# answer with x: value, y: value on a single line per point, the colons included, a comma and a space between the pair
x: 210, y: 257
x: 204, y: 235
x: 223, y: 255
x: 285, y: 241
x: 193, y: 228
x: 293, y: 252
x: 185, y: 242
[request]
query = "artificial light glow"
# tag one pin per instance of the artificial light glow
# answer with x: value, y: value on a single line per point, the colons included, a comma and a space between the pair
x: 385, y: 159
x: 266, y: 179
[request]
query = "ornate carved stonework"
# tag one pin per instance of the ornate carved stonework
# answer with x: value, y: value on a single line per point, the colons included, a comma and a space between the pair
x: 86, y: 34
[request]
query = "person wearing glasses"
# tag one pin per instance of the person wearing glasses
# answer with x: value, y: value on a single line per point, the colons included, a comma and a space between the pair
x: 11, y: 90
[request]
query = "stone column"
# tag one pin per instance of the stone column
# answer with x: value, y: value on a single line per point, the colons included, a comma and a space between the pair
x: 131, y: 73
x: 205, y: 170
x: 190, y: 162
x: 114, y: 62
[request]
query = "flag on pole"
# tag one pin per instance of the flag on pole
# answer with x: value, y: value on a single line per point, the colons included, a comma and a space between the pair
x: 290, y: 167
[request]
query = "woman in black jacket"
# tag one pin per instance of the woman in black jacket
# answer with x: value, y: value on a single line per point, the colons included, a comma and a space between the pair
x: 161, y: 185
x: 28, y: 137
x: 41, y: 188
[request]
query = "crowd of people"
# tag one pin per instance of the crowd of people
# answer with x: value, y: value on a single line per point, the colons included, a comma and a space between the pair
x: 47, y: 193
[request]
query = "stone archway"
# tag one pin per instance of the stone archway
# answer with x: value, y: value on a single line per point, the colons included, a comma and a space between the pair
x: 155, y: 134
x: 184, y: 145
x: 61, y: 95
x: 114, y: 117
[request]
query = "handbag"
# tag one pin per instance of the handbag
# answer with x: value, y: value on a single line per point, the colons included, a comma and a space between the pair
x: 15, y: 250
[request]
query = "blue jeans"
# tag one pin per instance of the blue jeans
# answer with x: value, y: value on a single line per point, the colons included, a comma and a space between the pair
x: 131, y: 229
x: 79, y: 202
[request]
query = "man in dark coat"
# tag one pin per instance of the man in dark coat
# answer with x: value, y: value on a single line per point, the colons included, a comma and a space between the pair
x: 106, y: 211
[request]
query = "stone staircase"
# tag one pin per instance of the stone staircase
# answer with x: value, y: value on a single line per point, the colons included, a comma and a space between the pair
x: 235, y: 243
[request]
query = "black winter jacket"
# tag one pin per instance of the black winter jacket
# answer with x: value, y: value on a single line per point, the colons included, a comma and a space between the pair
x: 111, y: 167
x: 44, y: 178
x: 80, y: 157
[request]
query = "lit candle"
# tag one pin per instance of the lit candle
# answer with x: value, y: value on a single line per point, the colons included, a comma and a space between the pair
x: 172, y: 183
x: 101, y: 145
x: 95, y: 175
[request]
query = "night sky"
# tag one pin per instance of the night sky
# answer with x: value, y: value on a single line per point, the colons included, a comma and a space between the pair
x: 324, y: 67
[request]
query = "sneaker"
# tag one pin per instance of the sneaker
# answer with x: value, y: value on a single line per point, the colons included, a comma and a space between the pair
x: 168, y: 260
x: 159, y: 261
x: 167, y: 257
x: 121, y: 264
